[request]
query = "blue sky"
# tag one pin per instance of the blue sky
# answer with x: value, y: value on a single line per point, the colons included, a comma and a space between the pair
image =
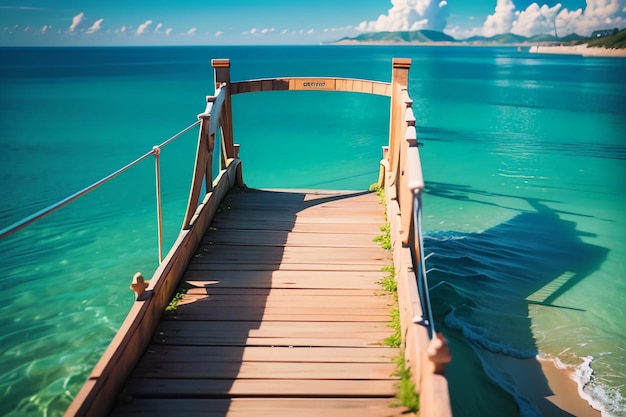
x: 210, y: 22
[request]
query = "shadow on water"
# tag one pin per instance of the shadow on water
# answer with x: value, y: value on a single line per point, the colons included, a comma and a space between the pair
x: 482, y: 287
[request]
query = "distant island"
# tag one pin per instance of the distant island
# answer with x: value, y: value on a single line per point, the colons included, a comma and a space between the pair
x: 604, y: 42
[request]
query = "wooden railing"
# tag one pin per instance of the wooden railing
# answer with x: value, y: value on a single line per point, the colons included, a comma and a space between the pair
x: 401, y: 176
x: 426, y: 351
x: 100, y: 391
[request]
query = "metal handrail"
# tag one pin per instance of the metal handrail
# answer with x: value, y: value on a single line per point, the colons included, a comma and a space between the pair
x: 156, y: 151
x: 422, y: 279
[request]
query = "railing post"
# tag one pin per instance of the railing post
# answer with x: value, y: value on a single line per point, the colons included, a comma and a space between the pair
x: 222, y: 75
x: 157, y: 165
x: 399, y: 79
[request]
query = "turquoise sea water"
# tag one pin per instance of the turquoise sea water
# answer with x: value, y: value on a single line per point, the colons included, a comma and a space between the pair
x: 524, y: 157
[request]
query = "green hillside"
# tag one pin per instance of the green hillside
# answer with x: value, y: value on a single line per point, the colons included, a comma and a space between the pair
x: 402, y: 37
x: 504, y: 38
x: 422, y: 36
x: 617, y: 41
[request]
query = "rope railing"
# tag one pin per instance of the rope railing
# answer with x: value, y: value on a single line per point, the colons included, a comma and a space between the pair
x: 156, y: 151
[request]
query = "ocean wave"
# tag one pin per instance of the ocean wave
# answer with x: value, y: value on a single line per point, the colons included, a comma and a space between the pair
x: 487, y: 338
x: 484, y: 283
x: 609, y: 401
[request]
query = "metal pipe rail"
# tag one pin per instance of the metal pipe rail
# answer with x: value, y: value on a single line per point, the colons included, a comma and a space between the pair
x: 156, y: 151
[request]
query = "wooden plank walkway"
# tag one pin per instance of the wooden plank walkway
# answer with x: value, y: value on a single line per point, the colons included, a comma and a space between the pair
x: 283, y: 315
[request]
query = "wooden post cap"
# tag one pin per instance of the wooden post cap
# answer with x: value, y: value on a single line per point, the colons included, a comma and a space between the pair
x: 220, y: 63
x: 402, y: 62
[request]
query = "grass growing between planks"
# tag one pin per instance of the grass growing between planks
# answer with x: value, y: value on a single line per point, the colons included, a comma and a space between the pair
x: 173, y: 305
x: 406, y: 396
x: 406, y: 389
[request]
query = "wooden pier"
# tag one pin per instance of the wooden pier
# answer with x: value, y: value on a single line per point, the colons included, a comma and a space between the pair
x: 283, y: 313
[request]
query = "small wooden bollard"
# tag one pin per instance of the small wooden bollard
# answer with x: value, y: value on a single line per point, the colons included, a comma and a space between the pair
x: 438, y: 353
x: 139, y: 287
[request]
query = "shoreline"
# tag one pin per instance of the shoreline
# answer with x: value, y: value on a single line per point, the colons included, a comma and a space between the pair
x: 582, y: 50
x: 568, y: 393
x: 548, y: 387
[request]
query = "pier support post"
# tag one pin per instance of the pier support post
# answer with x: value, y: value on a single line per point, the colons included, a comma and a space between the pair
x: 221, y: 69
x: 399, y: 80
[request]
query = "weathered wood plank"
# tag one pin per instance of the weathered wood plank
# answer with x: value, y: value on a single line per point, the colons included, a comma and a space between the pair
x: 270, y: 329
x: 338, y: 294
x: 254, y: 407
x: 203, y: 264
x: 265, y: 370
x: 277, y: 238
x: 207, y: 388
x: 207, y: 354
x: 281, y: 315
x: 198, y: 303
x: 292, y: 255
x: 290, y: 407
x: 372, y: 340
x: 295, y: 282
x: 302, y: 225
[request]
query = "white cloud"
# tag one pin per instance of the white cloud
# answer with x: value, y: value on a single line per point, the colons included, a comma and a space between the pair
x: 410, y: 15
x: 168, y: 31
x: 158, y: 27
x: 192, y: 31
x: 95, y: 27
x: 597, y: 15
x: 536, y: 19
x: 45, y: 28
x: 218, y: 33
x: 142, y: 28
x: 76, y: 20
x: 501, y: 20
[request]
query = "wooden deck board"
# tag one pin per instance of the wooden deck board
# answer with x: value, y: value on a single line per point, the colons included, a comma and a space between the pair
x: 194, y: 354
x: 283, y: 315
x: 246, y: 407
x: 290, y: 255
x: 272, y: 388
x: 265, y: 370
x: 280, y: 238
